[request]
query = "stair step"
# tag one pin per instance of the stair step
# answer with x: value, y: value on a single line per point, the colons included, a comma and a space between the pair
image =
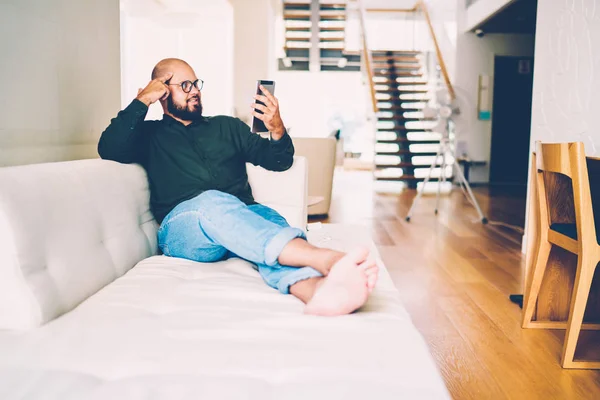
x: 419, y: 100
x: 379, y: 167
x: 296, y: 6
x: 388, y: 53
x: 403, y: 153
x: 333, y: 6
x: 299, y: 17
x: 402, y: 128
x: 380, y: 69
x: 332, y: 29
x: 406, y: 59
x: 399, y: 118
x: 395, y: 82
x: 407, y: 141
x: 307, y: 35
x: 402, y: 91
x: 394, y: 129
x: 332, y: 9
x: 307, y: 12
x: 404, y: 178
x: 397, y: 74
x: 385, y: 65
x: 401, y: 107
x: 347, y: 68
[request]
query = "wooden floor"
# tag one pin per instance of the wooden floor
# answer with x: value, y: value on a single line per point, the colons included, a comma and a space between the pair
x: 454, y: 276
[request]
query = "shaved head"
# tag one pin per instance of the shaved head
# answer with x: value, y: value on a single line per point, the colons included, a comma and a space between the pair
x: 168, y: 65
x: 185, y: 106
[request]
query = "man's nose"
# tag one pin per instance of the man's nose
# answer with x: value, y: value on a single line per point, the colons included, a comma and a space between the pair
x: 194, y: 91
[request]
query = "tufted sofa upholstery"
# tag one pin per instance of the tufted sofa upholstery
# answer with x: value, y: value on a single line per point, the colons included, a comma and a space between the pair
x: 68, y: 229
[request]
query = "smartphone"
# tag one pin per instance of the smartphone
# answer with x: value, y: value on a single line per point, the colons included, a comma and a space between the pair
x: 257, y: 124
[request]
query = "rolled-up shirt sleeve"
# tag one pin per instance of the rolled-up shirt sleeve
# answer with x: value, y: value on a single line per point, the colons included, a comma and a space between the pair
x: 274, y: 155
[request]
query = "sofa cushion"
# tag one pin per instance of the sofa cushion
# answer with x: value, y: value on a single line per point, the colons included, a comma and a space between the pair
x: 177, y: 329
x: 68, y: 229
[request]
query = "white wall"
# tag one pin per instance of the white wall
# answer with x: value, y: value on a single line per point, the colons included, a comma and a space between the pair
x: 201, y: 35
x: 565, y: 77
x: 482, y: 10
x: 396, y: 32
x: 254, y: 50
x: 566, y: 80
x: 59, y: 76
x: 315, y: 104
x: 444, y: 16
x: 475, y: 56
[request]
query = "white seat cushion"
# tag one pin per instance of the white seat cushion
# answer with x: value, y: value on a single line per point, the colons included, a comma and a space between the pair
x: 177, y: 329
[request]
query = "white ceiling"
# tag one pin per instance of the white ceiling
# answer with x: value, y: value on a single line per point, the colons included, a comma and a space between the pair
x: 176, y: 8
x: 173, y: 11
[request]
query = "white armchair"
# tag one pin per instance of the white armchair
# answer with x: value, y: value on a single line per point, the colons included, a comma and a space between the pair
x: 321, y: 154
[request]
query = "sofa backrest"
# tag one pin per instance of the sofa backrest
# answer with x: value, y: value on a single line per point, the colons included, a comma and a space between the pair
x: 68, y: 229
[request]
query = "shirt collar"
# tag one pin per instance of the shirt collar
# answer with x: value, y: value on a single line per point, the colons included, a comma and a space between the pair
x: 170, y: 120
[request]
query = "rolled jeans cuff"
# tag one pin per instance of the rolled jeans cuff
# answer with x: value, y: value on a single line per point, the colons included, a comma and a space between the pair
x: 294, y: 277
x: 279, y: 241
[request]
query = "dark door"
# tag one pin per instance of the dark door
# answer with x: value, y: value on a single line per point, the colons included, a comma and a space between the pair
x: 511, y: 120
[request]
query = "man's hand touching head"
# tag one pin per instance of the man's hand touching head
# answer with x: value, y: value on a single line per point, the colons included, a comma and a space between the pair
x: 156, y: 90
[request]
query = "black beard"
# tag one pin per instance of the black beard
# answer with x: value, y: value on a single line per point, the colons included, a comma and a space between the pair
x: 183, y: 113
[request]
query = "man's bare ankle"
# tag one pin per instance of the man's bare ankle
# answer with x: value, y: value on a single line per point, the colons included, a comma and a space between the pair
x: 304, y: 290
x: 328, y: 260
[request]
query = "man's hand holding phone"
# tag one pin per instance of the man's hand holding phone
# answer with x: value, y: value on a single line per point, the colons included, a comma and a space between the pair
x: 270, y: 116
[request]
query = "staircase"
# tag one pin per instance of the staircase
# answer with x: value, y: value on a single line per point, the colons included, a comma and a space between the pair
x: 331, y: 38
x: 405, y: 146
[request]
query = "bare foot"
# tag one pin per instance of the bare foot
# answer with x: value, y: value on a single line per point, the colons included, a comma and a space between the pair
x: 371, y: 271
x: 345, y: 289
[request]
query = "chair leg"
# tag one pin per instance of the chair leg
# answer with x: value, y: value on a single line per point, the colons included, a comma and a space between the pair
x: 537, y: 275
x: 579, y: 298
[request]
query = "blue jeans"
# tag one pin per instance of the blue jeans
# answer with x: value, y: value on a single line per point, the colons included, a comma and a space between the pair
x: 215, y: 225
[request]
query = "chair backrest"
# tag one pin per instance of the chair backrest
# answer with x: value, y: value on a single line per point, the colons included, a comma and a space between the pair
x: 564, y: 188
x: 321, y: 157
x: 557, y: 157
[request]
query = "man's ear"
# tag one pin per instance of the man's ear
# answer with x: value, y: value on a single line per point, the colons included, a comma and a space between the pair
x: 163, y: 103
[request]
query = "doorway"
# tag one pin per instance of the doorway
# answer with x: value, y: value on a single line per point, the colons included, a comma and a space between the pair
x: 511, y: 123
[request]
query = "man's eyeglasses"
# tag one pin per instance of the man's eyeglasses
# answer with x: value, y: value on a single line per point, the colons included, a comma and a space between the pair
x: 186, y: 86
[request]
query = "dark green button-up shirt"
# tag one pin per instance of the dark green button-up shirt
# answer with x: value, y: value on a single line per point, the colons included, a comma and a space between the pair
x: 184, y: 161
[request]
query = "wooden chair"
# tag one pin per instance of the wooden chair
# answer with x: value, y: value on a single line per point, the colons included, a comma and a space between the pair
x: 565, y: 219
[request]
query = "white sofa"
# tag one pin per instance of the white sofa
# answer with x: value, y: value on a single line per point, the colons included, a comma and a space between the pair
x: 89, y: 311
